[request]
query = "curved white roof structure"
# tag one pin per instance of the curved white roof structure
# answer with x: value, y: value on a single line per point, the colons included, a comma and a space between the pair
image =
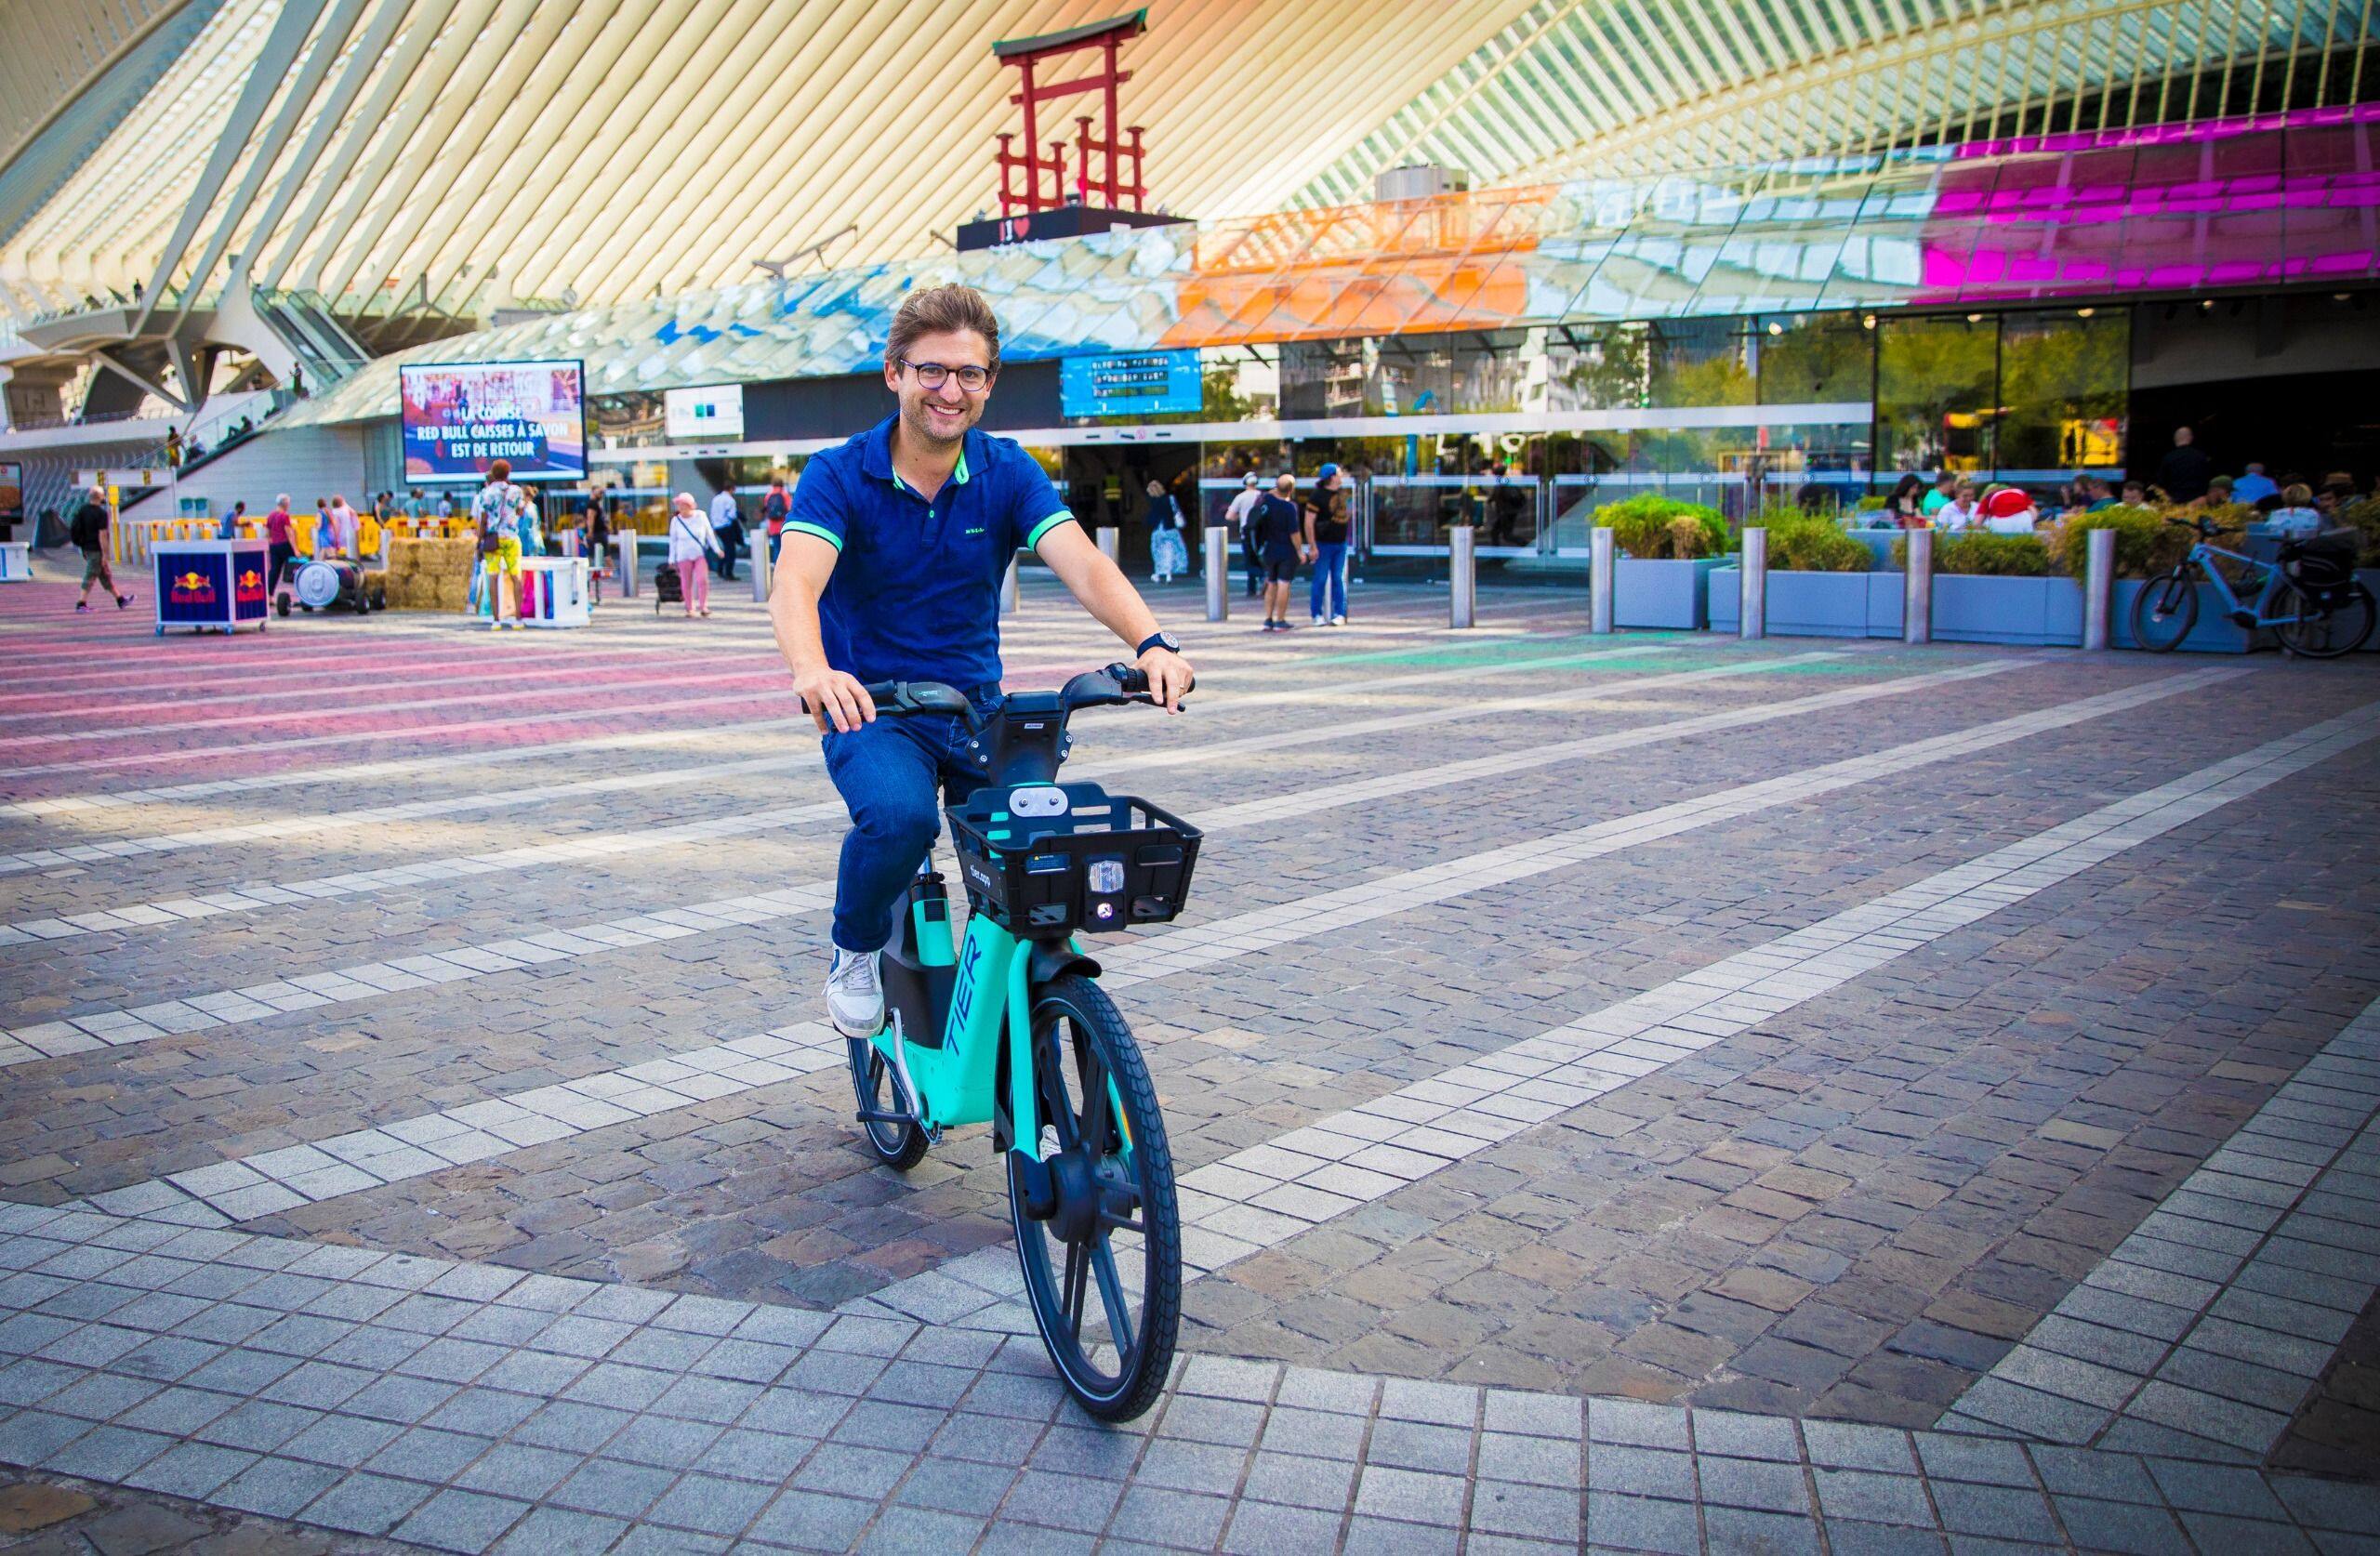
x: 469, y: 153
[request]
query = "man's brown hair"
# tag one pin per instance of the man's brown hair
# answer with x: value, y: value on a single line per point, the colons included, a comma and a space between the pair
x: 500, y: 470
x: 939, y: 310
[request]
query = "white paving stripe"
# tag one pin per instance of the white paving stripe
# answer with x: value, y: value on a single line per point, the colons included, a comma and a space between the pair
x: 1221, y: 940
x: 2203, y: 1332
x: 250, y: 897
x: 213, y: 1195
x: 226, y: 1006
x: 117, y: 801
x: 1262, y: 1196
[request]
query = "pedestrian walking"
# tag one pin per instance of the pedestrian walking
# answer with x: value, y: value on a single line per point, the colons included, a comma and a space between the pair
x: 1276, y: 545
x: 690, y: 545
x: 345, y: 530
x: 1238, y: 517
x: 1326, y: 544
x: 775, y: 505
x: 727, y: 524
x: 280, y: 542
x: 1167, y: 554
x: 90, y: 533
x: 497, y: 513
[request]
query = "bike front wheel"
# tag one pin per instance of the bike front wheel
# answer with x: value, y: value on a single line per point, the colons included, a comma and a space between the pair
x: 1097, y: 1228
x: 2164, y: 611
x: 2312, y: 629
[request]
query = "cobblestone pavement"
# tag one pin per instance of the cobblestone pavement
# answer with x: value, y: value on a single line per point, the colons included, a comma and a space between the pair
x: 1652, y: 1092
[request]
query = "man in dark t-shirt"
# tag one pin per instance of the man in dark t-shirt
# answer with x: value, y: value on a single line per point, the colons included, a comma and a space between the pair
x: 1277, y: 529
x: 89, y: 532
x: 2186, y: 469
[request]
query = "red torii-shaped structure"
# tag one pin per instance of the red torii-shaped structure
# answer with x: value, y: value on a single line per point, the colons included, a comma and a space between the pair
x: 1112, y: 188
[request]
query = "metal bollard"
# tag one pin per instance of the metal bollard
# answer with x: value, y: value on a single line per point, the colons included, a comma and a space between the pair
x: 1218, y: 566
x: 1009, y: 590
x: 2099, y: 588
x: 1108, y: 535
x: 1601, y: 567
x: 1463, y: 571
x: 759, y: 555
x: 1752, y: 620
x: 627, y: 545
x: 1917, y: 595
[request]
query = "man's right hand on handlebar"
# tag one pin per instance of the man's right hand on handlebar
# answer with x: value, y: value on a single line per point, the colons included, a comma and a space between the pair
x: 836, y: 700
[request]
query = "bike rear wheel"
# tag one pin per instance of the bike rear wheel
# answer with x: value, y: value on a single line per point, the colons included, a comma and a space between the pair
x: 1101, y: 1240
x: 2312, y: 630
x: 2164, y: 611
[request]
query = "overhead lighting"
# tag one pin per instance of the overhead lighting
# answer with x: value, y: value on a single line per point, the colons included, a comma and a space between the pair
x: 1866, y: 321
x: 1975, y: 318
x: 1776, y: 328
x: 2206, y: 305
x: 2084, y: 313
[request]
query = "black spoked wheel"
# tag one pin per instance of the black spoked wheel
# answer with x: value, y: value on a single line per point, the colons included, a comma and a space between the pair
x: 2322, y: 626
x: 1100, y: 1241
x: 2164, y: 611
x: 898, y: 1146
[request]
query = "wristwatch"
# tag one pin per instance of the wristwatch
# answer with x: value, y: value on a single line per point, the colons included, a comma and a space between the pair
x: 1164, y: 640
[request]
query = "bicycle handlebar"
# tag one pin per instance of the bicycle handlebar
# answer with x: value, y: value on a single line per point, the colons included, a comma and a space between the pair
x: 1116, y: 684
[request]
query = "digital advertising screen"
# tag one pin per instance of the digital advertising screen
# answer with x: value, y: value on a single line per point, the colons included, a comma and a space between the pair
x: 1129, y: 384
x: 12, y: 492
x: 713, y: 413
x: 460, y: 419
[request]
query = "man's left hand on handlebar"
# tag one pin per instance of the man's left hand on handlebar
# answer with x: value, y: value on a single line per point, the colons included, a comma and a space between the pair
x: 1168, y: 676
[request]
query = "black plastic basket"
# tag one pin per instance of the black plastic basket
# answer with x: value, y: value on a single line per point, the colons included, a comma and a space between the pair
x: 1108, y: 862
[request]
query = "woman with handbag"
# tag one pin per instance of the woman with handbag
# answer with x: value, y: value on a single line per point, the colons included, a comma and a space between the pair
x: 692, y: 544
x: 1168, y: 555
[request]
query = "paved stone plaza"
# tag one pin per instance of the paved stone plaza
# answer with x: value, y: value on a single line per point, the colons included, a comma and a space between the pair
x: 1655, y: 1092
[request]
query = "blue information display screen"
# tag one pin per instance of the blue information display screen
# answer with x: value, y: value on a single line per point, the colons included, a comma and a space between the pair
x: 1129, y: 384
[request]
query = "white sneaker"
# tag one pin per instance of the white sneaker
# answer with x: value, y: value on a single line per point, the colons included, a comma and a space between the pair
x: 1318, y: 621
x: 1338, y: 621
x: 854, y: 995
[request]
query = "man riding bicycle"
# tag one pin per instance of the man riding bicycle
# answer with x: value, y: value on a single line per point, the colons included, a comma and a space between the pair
x: 894, y: 550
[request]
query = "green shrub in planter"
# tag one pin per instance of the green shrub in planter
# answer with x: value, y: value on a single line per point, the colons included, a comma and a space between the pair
x: 1652, y: 527
x: 1982, y: 554
x: 2146, y: 546
x: 1802, y: 542
x: 2365, y: 516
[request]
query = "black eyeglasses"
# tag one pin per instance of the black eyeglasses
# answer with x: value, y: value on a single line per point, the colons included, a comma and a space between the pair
x: 933, y: 375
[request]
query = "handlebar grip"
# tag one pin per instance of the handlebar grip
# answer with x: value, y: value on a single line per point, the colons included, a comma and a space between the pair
x: 917, y: 696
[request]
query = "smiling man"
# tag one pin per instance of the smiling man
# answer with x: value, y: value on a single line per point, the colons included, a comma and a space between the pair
x: 894, y: 549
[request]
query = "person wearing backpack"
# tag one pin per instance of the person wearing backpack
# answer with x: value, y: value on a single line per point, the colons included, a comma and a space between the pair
x: 90, y: 533
x: 692, y: 544
x: 774, y: 506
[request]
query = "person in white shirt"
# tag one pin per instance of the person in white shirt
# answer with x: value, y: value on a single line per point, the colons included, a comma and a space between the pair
x: 1241, y: 509
x: 727, y: 524
x: 2296, y: 517
x: 1962, y: 512
x: 692, y: 542
x: 345, y: 530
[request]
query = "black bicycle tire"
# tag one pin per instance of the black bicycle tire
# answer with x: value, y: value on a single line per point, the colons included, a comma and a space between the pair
x: 1137, y: 1389
x: 911, y: 1147
x: 2187, y: 614
x: 2285, y: 631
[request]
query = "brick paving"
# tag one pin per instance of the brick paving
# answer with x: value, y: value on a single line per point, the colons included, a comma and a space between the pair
x: 1932, y: 1084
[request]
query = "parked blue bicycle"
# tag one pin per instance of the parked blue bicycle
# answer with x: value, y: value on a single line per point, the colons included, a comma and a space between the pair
x: 2308, y: 596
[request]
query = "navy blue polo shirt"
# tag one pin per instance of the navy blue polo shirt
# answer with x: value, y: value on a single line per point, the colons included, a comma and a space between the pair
x: 915, y: 595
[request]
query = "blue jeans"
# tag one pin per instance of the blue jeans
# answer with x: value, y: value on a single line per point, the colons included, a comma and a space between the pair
x: 888, y: 773
x: 1329, y: 573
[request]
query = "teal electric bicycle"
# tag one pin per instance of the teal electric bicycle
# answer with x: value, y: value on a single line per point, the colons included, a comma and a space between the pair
x: 1008, y: 1027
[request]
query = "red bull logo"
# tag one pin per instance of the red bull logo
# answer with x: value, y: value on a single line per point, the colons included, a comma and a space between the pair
x: 251, y: 586
x: 193, y: 588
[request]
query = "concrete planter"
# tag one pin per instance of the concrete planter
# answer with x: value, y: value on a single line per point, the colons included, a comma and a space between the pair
x: 1670, y: 594
x: 2370, y: 576
x: 1814, y: 604
x: 2031, y: 612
